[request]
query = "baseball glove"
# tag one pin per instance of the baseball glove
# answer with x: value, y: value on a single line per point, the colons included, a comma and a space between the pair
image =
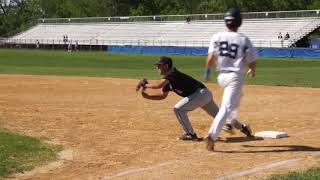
x: 141, y: 84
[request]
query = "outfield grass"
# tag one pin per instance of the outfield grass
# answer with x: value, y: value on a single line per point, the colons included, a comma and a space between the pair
x: 276, y: 72
x: 21, y: 153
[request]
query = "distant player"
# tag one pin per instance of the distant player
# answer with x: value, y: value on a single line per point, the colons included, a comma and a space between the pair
x: 194, y: 93
x: 230, y: 51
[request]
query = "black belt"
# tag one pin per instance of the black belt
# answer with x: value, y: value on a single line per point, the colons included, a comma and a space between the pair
x: 225, y: 71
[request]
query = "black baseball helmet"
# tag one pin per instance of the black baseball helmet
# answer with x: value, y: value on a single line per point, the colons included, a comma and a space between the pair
x: 233, y: 18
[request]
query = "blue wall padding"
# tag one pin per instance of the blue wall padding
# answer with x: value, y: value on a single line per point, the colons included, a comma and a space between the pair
x: 288, y: 52
x: 261, y: 52
x: 158, y: 50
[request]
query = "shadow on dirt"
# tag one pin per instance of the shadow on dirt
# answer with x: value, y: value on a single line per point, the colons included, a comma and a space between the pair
x: 279, y: 148
x: 235, y: 139
x: 241, y: 139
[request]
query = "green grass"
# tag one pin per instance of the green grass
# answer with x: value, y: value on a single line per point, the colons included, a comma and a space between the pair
x: 310, y: 174
x: 21, y: 153
x: 274, y: 72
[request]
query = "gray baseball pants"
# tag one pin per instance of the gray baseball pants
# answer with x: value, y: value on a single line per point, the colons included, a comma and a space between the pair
x: 201, y: 98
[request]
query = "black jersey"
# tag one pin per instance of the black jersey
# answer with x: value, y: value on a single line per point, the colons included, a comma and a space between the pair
x: 181, y: 83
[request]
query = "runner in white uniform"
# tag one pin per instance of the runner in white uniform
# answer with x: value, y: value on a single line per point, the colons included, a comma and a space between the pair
x: 231, y: 51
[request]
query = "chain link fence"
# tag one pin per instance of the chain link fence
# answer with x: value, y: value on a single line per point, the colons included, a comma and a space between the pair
x: 103, y: 44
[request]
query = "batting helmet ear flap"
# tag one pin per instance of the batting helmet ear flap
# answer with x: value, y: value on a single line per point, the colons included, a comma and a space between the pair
x: 233, y: 18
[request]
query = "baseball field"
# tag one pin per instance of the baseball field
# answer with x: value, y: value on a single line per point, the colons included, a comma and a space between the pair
x: 86, y: 102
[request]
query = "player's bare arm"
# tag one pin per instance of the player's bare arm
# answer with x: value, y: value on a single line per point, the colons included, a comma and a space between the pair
x: 158, y: 96
x: 210, y: 60
x: 158, y: 85
x: 252, y: 69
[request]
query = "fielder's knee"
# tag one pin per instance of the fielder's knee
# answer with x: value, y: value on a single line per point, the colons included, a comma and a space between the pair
x: 176, y: 110
x: 179, y: 110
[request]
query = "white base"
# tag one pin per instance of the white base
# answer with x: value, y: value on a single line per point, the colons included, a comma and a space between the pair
x: 271, y: 134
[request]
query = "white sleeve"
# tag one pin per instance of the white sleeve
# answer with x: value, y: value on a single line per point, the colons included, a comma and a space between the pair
x: 213, y: 47
x: 249, y: 51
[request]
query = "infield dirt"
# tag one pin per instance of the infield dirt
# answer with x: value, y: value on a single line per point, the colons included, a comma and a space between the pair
x: 116, y: 134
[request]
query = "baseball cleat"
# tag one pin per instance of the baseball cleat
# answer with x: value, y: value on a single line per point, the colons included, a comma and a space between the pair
x: 189, y: 137
x: 246, y: 130
x: 210, y: 143
x: 228, y: 128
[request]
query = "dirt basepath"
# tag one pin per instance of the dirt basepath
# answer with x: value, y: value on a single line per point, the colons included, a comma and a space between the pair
x: 116, y: 134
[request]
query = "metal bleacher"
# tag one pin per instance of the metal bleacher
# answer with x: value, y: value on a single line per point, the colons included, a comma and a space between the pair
x: 197, y: 33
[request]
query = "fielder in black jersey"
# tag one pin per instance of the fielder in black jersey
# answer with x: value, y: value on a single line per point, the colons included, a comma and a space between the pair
x: 194, y: 93
x: 180, y: 83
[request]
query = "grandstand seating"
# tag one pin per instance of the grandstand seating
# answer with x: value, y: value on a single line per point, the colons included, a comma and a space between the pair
x: 263, y: 32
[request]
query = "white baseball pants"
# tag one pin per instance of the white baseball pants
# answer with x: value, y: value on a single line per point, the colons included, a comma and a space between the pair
x: 231, y: 83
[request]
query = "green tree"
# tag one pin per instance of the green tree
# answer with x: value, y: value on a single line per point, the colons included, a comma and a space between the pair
x: 314, y: 5
x: 143, y: 7
x: 17, y: 16
x: 287, y: 5
x: 96, y: 8
x: 20, y: 14
x: 219, y: 6
x: 255, y: 5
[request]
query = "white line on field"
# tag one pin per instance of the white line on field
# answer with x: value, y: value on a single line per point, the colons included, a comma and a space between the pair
x: 163, y: 164
x: 138, y: 170
x: 263, y: 168
x: 205, y: 156
x: 317, y: 153
x: 259, y: 169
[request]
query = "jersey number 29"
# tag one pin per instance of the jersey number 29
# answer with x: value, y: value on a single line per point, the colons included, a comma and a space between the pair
x: 229, y: 50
